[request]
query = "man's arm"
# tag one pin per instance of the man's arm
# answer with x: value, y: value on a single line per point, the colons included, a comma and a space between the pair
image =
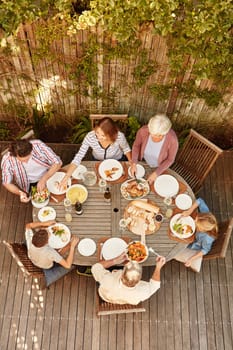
x: 52, y: 170
x: 160, y: 262
x: 37, y: 224
x: 118, y: 260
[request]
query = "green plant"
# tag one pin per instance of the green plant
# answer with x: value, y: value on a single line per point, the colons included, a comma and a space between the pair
x: 80, y: 129
x: 4, y: 131
x: 144, y: 69
x: 132, y: 127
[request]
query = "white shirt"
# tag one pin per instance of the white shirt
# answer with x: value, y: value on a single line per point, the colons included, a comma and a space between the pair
x: 114, y: 291
x: 42, y: 257
x: 152, y: 151
x: 34, y: 170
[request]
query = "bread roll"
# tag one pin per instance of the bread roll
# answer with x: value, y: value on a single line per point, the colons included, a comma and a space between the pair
x: 145, y: 205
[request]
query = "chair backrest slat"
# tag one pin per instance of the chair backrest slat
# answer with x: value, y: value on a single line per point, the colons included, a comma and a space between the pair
x: 195, y: 159
x: 219, y: 247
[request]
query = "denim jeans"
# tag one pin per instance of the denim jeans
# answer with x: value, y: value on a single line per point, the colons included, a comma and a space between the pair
x: 55, y: 273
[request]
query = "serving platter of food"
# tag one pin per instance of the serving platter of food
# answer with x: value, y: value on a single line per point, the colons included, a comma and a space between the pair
x: 110, y: 169
x: 77, y: 193
x: 59, y: 235
x: 140, y: 215
x: 135, y: 189
x: 137, y: 251
x: 182, y: 226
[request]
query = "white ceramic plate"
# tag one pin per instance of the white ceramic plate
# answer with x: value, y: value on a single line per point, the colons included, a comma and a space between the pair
x: 77, y: 193
x: 40, y: 205
x: 47, y: 213
x: 87, y: 247
x: 140, y: 171
x: 113, y: 247
x: 79, y: 171
x: 53, y: 182
x: 183, y: 201
x: 131, y: 189
x: 59, y: 241
x: 109, y: 165
x: 166, y: 186
x: 184, y: 220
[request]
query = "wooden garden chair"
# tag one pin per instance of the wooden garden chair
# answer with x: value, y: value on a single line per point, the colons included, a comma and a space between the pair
x: 195, y: 159
x: 219, y: 247
x: 18, y: 252
x: 105, y: 308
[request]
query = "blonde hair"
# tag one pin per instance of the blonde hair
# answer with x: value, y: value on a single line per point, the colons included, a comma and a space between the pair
x: 160, y: 124
x: 132, y: 273
x: 207, y: 222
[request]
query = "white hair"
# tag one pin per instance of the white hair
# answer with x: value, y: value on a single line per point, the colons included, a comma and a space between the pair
x: 132, y: 274
x: 160, y: 124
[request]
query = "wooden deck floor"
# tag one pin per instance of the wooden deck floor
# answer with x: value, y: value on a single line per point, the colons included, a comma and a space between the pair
x: 190, y: 311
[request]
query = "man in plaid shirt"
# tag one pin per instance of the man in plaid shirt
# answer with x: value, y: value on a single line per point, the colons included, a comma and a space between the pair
x: 28, y: 163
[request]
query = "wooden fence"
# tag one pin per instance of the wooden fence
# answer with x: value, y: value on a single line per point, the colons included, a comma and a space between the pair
x: 53, y: 80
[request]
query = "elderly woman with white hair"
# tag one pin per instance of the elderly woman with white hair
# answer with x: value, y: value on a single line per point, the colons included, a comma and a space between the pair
x: 157, y: 144
x: 125, y: 286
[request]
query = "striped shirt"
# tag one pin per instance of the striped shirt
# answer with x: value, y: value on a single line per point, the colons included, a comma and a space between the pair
x: 13, y: 169
x: 113, y: 151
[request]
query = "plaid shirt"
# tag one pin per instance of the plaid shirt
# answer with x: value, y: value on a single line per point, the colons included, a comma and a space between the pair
x: 13, y: 169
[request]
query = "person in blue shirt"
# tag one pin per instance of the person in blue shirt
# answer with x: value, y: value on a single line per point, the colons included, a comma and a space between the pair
x: 206, y: 234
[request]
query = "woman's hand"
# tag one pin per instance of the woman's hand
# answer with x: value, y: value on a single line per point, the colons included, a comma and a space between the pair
x: 133, y: 169
x: 152, y: 177
x: 187, y: 263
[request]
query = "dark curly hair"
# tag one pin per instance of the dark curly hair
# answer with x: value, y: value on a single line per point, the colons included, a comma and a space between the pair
x: 20, y: 148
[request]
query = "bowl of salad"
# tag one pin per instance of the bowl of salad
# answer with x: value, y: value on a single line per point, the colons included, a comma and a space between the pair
x: 39, y: 199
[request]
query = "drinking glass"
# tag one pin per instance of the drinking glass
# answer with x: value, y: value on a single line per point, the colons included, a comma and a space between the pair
x: 89, y: 178
x: 102, y: 185
x: 123, y: 225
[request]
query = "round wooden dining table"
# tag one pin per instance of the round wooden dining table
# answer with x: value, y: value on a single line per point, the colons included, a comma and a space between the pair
x: 100, y: 219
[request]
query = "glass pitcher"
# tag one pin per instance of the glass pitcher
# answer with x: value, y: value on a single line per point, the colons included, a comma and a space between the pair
x: 89, y: 178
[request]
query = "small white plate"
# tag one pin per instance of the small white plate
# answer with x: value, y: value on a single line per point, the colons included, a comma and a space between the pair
x: 140, y: 171
x: 108, y: 165
x: 87, y: 247
x: 183, y: 201
x: 47, y: 213
x: 113, y: 247
x: 56, y: 241
x: 53, y: 182
x: 79, y: 171
x: 166, y: 186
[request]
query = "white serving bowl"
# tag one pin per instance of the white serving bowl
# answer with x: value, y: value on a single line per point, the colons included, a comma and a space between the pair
x: 137, y: 248
x: 77, y: 193
x: 40, y: 204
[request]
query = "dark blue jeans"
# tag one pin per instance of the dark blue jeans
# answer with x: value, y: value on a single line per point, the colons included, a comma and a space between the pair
x: 55, y: 273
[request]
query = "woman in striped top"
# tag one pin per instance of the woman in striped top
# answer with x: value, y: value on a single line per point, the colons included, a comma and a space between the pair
x: 106, y: 141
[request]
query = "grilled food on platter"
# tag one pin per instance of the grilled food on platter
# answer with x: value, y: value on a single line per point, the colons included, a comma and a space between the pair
x: 133, y: 189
